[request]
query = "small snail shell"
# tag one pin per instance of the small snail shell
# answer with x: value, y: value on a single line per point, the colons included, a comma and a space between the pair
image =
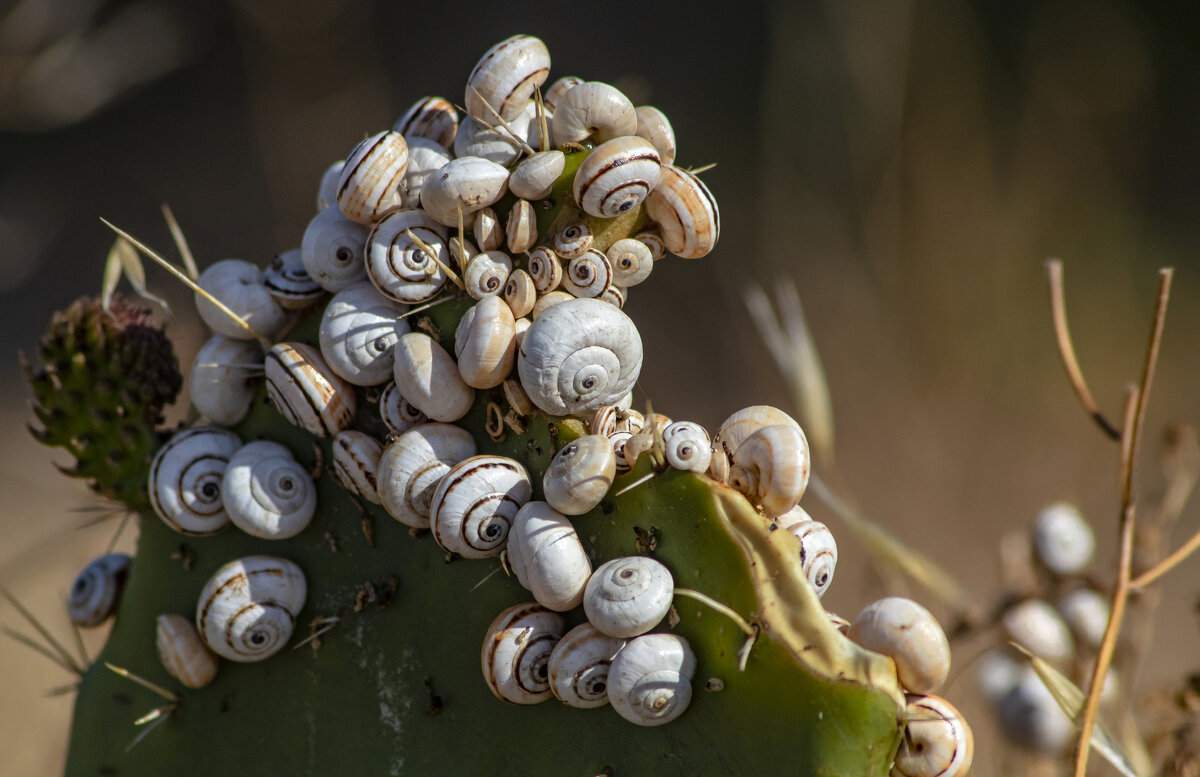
x: 818, y: 549
x: 521, y: 227
x: 616, y: 177
x: 937, y: 741
x: 370, y: 183
x: 580, y: 474
x: 604, y: 420
x: 547, y: 557
x: 652, y: 239
x: 485, y: 343
x: 619, y: 441
x: 247, y: 610
x: 628, y: 596
x: 182, y: 652
x: 579, y: 355
x: 289, y: 284
x: 1086, y: 611
x: 413, y: 464
x: 268, y: 494
x: 467, y: 183
x: 94, y: 594
x: 486, y: 274
x: 631, y: 262
x: 358, y: 331
x: 652, y: 124
x: 398, y: 414
x: 997, y: 673
x: 908, y: 634
x: 461, y: 250
x: 493, y: 141
x: 185, y: 479
x: 425, y: 157
x: 1037, y: 627
x: 573, y: 240
x: 636, y: 445
x: 239, y: 285
x: 734, y: 431
x: 687, y: 446
x: 473, y: 507
x: 505, y: 78
x: 327, y: 191
x: 771, y: 468
x: 588, y: 275
x: 430, y: 117
x: 615, y: 296
x: 545, y: 302
x: 551, y: 96
x: 516, y: 653
x: 628, y: 419
x: 686, y: 213
x: 579, y: 666
x: 306, y: 391
x: 535, y: 176
x: 428, y: 378
x: 398, y: 266
x: 650, y: 680
x: 223, y: 378
x: 1062, y: 539
x: 1030, y: 717
x: 356, y: 462
x: 488, y: 234
x: 545, y: 269
x: 593, y: 109
x: 520, y: 293
x: 332, y: 250
x: 517, y: 398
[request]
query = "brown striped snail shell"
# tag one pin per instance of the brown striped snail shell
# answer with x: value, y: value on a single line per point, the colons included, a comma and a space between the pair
x: 615, y: 296
x: 332, y: 250
x: 554, y: 93
x: 686, y: 213
x: 238, y: 284
x: 579, y: 666
x: 593, y: 109
x: 628, y: 596
x: 289, y: 283
x: 520, y: 293
x: 652, y: 239
x: 545, y: 554
x: 474, y: 505
x: 183, y: 654
x: 428, y: 378
x: 631, y: 262
x: 356, y: 463
x: 96, y: 590
x: 398, y: 265
x: 306, y: 391
x: 619, y: 440
x: 937, y: 741
x: 397, y: 413
x: 358, y: 331
x: 535, y: 176
x: 545, y: 269
x: 430, y: 117
x: 653, y: 125
x: 771, y: 468
x: 580, y: 474
x: 486, y: 274
x: 185, y: 479
x: 650, y: 680
x: 604, y: 420
x: 247, y: 610
x: 588, y: 275
x: 223, y: 378
x: 370, y: 182
x: 485, y: 343
x: 516, y: 653
x: 628, y: 419
x: 521, y: 228
x: 818, y: 548
x: 503, y: 80
x: 573, y: 240
x: 907, y: 633
x: 267, y: 493
x: 687, y: 446
x: 413, y: 464
x: 617, y: 176
x: 467, y: 184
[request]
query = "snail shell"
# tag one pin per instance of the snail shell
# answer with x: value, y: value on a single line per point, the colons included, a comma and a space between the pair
x: 486, y: 274
x: 771, y: 468
x: 1062, y: 539
x: 635, y: 446
x: 370, y: 183
x: 615, y: 296
x: 495, y: 142
x: 428, y: 378
x: 223, y: 378
x: 413, y: 464
x: 247, y: 610
x: 358, y: 331
x: 518, y: 400
x: 239, y: 286
x: 425, y: 157
x: 573, y: 240
x: 588, y: 275
x: 461, y: 250
x: 182, y: 652
x: 593, y: 109
x: 535, y: 176
x: 686, y: 213
x: 652, y: 239
x: 94, y: 594
x: 652, y: 124
x: 547, y: 557
x: 547, y: 301
x: 327, y: 191
x: 289, y: 284
x: 617, y: 176
x: 485, y: 343
x: 1037, y: 626
x: 520, y: 293
x: 580, y: 474
x: 579, y: 355
x: 398, y: 266
x: 488, y: 234
x: 551, y: 96
x: 937, y: 741
x: 185, y: 479
x: 908, y: 634
x: 545, y: 269
x: 631, y: 262
x: 687, y: 446
x: 398, y: 414
x: 1029, y: 715
x: 516, y: 653
x: 628, y: 596
x: 473, y: 507
x: 818, y: 549
x: 268, y: 494
x: 734, y: 431
x: 332, y: 250
x: 521, y: 227
x: 505, y: 78
x: 628, y: 419
x: 1086, y: 611
x: 468, y: 183
x: 650, y: 680
x: 356, y: 461
x: 604, y: 420
x: 579, y: 666
x: 619, y: 442
x: 306, y: 391
x: 430, y: 117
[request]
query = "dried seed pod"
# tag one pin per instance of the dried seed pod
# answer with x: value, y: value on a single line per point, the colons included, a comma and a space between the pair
x: 908, y: 634
x: 182, y: 652
x: 1037, y: 627
x: 370, y: 182
x: 97, y: 589
x: 1062, y: 539
x: 686, y: 213
x: 359, y: 328
x: 617, y: 176
x: 223, y: 378
x: 185, y: 479
x: 486, y: 274
x: 488, y: 234
x: 504, y: 79
x: 580, y: 474
x: 628, y: 596
x: 474, y: 505
x: 937, y: 741
x: 247, y: 610
x: 579, y: 666
x: 428, y: 378
x: 397, y: 412
x: 430, y: 117
x: 588, y: 275
x: 653, y: 125
x: 631, y: 262
x: 520, y: 293
x: 239, y: 286
x: 771, y: 468
x: 545, y: 269
x: 687, y: 446
x: 289, y: 283
x: 516, y: 653
x: 545, y: 554
x: 399, y: 265
x: 356, y: 463
x: 332, y: 250
x: 573, y: 240
x: 413, y: 464
x: 485, y: 343
x: 468, y: 184
x: 306, y: 391
x: 650, y: 680
x: 594, y: 110
x: 521, y: 227
x: 535, y: 176
x: 268, y: 494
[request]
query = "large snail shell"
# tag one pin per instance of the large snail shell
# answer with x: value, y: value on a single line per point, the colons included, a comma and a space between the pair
x: 223, y: 378
x: 397, y: 413
x: 579, y: 355
x: 771, y: 468
x: 654, y: 127
x: 588, y: 275
x: 631, y: 262
x: 534, y: 177
x: 413, y: 464
x: 185, y: 479
x: 686, y: 213
x: 687, y: 446
x: 94, y: 594
x: 616, y: 177
x: 580, y: 474
x: 182, y: 652
x: 628, y: 596
x: 332, y: 250
x: 545, y: 269
x: 428, y: 378
x: 516, y: 653
x: 485, y: 343
x: 239, y: 286
x: 579, y: 666
x: 475, y: 502
x: 467, y: 183
x: 650, y: 680
x: 425, y: 157
x: 430, y: 117
x: 267, y: 492
x: 818, y: 549
x: 486, y: 274
x: 398, y: 265
x: 593, y: 109
x: 247, y: 610
x: 547, y: 557
x: 356, y: 461
x: 937, y: 741
x: 306, y: 391
x: 908, y: 634
x: 358, y: 331
x: 734, y: 431
x: 289, y: 283
x: 370, y: 182
x: 505, y: 77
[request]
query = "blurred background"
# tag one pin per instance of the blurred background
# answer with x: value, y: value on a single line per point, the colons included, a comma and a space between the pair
x: 909, y: 165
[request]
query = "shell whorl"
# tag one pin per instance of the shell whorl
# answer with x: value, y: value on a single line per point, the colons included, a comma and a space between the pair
x: 94, y: 594
x: 247, y: 610
x: 650, y: 680
x: 628, y: 596
x: 547, y: 557
x: 473, y: 507
x: 516, y: 653
x: 579, y: 666
x: 185, y: 479
x: 414, y: 463
x: 359, y: 329
x: 306, y: 391
x: 268, y: 494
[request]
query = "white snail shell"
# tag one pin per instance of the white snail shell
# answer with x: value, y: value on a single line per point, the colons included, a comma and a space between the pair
x: 1029, y: 716
x: 617, y: 176
x: 425, y: 157
x: 653, y: 125
x: 183, y: 654
x: 628, y: 596
x: 579, y: 666
x: 734, y: 431
x: 552, y: 95
x: 686, y: 213
x: 413, y: 465
x: 573, y: 240
x: 517, y: 398
x: 631, y: 262
x: 493, y: 141
x: 306, y: 391
x: 397, y: 412
x: 427, y: 376
x: 398, y: 266
x: 94, y: 594
x: 588, y: 275
x: 358, y: 331
x: 580, y: 474
x: 1037, y: 626
x: 332, y: 250
x: 547, y: 557
x: 547, y: 301
x: 818, y: 549
x: 516, y: 653
x: 486, y: 274
x: 474, y: 505
x: 619, y: 441
x: 370, y: 183
x: 534, y: 177
x: 185, y: 479
x: 687, y: 446
x: 268, y: 494
x: 579, y: 355
x: 521, y: 228
x: 650, y: 680
x: 593, y: 109
x: 239, y: 286
x: 488, y: 233
x: 289, y: 283
x: 1062, y: 539
x: 908, y: 634
x: 937, y: 741
x: 636, y: 445
x: 247, y: 610
x: 505, y: 78
x: 327, y: 191
x: 356, y: 462
x: 485, y: 343
x: 771, y: 468
x: 223, y: 378
x: 520, y: 293
x: 1086, y: 611
x: 997, y: 673
x: 467, y: 183
x: 430, y: 117
x: 545, y: 269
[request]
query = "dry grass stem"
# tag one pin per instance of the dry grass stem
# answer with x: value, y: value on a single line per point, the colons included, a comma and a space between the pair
x: 181, y: 244
x: 65, y: 658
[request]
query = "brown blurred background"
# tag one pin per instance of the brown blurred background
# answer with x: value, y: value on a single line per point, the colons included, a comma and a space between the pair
x: 909, y: 164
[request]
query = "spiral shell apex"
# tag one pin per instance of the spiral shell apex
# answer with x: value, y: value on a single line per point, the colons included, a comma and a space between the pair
x: 650, y: 680
x: 516, y: 653
x: 474, y: 505
x: 268, y: 493
x: 185, y: 479
x: 627, y: 596
x: 413, y: 464
x: 579, y: 666
x: 247, y: 610
x: 94, y: 594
